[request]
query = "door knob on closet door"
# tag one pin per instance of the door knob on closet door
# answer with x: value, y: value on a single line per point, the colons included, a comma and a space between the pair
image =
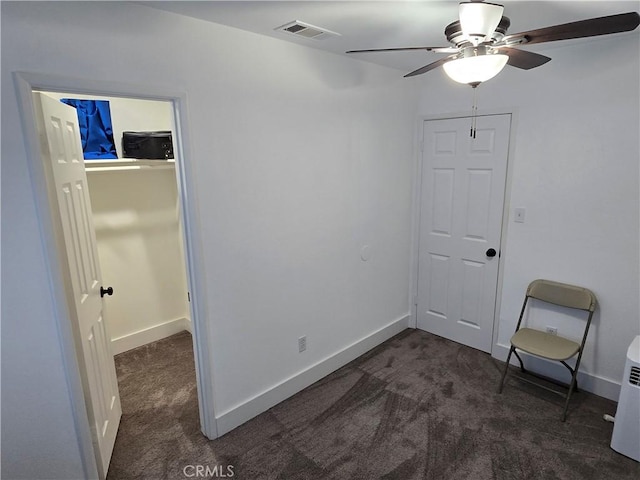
x: 491, y: 253
x: 107, y: 291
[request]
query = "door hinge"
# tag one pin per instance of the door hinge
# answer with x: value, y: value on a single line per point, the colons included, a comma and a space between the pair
x: 189, y: 296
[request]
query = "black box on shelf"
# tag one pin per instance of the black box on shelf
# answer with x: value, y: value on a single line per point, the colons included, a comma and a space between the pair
x: 147, y: 145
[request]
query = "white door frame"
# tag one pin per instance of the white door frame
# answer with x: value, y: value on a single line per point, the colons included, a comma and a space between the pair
x: 417, y: 197
x: 25, y: 83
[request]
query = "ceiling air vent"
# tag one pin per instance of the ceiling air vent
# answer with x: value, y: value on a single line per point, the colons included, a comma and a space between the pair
x: 302, y: 29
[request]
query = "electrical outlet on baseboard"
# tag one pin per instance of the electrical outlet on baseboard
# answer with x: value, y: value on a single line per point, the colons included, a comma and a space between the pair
x: 552, y: 330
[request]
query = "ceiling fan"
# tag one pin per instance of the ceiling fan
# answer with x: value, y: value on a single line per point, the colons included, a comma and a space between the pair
x: 481, y: 46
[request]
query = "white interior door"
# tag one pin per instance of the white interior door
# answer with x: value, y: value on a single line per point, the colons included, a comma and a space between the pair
x: 61, y: 146
x: 463, y: 187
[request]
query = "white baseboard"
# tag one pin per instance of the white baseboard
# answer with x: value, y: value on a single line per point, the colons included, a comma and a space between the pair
x: 148, y: 335
x: 229, y: 420
x: 603, y: 387
x: 187, y: 325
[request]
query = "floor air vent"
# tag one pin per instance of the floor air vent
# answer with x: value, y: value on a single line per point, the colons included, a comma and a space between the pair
x: 306, y: 30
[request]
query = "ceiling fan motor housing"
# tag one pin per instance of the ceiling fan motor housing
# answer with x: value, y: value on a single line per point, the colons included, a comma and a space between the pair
x: 454, y: 33
x: 471, y: 51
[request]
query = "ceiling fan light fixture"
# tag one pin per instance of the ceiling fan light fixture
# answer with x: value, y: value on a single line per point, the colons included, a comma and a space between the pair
x: 475, y: 69
x: 479, y: 20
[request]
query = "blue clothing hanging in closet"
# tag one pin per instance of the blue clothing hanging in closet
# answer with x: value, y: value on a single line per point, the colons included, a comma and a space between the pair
x: 96, y: 132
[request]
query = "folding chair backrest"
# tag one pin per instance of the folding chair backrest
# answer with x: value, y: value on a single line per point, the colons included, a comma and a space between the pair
x: 562, y: 294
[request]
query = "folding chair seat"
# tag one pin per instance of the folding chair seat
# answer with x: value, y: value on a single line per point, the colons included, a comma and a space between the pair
x: 546, y: 345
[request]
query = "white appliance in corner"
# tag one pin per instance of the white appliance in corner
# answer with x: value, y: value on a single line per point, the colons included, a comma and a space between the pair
x: 626, y: 429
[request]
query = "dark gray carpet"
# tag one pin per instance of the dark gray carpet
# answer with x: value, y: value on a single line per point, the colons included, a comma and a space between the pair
x: 416, y: 407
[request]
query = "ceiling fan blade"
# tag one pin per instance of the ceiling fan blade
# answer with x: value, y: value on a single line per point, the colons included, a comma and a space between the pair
x: 524, y: 59
x: 400, y: 49
x: 429, y: 67
x: 623, y: 22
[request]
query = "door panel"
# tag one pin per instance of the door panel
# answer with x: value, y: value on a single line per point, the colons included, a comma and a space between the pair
x: 478, y: 204
x: 438, y: 273
x: 61, y: 146
x: 442, y: 201
x: 463, y: 184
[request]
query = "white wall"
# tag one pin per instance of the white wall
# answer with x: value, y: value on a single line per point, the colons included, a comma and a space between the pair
x: 575, y: 170
x: 138, y: 233
x: 135, y: 214
x: 299, y: 158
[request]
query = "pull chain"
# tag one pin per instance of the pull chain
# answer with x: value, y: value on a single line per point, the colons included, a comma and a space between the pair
x: 474, y: 112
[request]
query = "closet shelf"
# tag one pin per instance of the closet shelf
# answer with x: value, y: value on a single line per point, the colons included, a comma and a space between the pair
x: 127, y: 164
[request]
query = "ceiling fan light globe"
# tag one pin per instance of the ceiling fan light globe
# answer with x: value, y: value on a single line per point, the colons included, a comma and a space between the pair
x: 479, y: 20
x: 474, y: 70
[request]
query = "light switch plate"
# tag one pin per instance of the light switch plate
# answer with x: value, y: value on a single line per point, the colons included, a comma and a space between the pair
x: 519, y: 215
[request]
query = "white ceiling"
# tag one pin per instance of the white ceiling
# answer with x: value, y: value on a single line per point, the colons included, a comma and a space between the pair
x: 384, y: 24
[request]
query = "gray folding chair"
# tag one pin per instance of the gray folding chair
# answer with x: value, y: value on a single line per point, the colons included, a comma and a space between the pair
x: 547, y: 345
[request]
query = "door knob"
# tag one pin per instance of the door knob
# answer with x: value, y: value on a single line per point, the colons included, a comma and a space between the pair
x: 491, y: 253
x: 107, y: 291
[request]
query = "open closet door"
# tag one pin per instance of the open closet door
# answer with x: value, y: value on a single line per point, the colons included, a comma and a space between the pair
x: 71, y: 209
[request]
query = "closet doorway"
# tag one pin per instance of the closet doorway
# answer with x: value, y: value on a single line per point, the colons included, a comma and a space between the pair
x: 30, y: 87
x: 138, y: 225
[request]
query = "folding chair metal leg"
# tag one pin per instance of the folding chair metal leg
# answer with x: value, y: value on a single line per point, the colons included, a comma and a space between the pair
x: 572, y: 370
x: 574, y: 379
x: 522, y: 369
x: 571, y: 388
x: 506, y: 369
